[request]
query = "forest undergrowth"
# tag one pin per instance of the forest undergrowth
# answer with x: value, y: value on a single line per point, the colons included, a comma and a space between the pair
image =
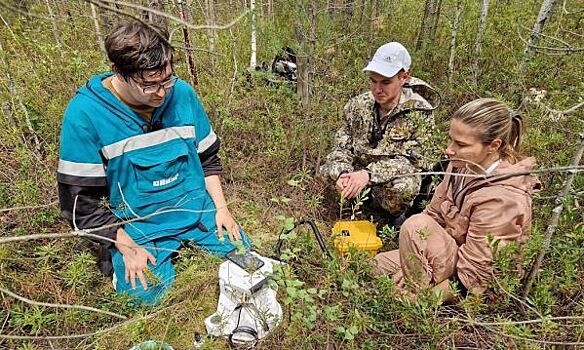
x: 272, y: 143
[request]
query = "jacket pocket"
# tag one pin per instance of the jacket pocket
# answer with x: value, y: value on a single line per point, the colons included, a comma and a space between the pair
x: 161, y: 173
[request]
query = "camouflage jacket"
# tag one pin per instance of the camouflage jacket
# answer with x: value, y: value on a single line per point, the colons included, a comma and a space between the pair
x: 364, y: 143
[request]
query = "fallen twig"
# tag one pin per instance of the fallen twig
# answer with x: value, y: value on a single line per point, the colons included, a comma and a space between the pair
x: 64, y: 306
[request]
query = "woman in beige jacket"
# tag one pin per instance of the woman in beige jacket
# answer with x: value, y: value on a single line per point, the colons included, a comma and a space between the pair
x: 486, y: 197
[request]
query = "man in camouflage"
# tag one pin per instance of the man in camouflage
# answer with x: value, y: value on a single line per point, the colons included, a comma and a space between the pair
x: 385, y: 133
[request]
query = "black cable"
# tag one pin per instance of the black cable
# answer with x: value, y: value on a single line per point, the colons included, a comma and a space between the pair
x: 317, y: 235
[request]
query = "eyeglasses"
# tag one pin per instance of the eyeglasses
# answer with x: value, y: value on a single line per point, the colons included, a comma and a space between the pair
x: 154, y: 88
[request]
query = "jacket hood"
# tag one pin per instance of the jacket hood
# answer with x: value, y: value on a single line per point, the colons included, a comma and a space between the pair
x: 417, y: 94
x: 506, y: 175
x: 95, y: 91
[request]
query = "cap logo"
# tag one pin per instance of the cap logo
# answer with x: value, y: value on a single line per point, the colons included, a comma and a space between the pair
x: 388, y: 59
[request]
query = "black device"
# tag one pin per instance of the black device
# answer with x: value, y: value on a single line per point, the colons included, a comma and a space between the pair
x: 246, y: 261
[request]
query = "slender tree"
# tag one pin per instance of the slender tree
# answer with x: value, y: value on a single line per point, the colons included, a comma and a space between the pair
x: 435, y: 20
x: 479, y: 43
x: 544, y: 14
x: 94, y: 16
x: 53, y: 23
x: 253, y: 58
x: 426, y: 24
x: 453, y: 33
x: 187, y: 43
x: 212, y: 32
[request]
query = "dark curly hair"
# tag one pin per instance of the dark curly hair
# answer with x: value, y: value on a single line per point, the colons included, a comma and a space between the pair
x: 135, y: 48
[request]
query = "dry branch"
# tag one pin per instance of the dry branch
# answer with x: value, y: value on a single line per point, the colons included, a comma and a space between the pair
x: 63, y: 306
x: 166, y: 15
x: 28, y: 14
x: 568, y: 48
x: 108, y: 330
x: 95, y: 18
x: 3, y: 210
x: 551, y: 229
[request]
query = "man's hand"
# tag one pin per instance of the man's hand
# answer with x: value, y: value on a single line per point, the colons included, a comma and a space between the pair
x: 135, y: 258
x: 342, y: 182
x: 351, y: 184
x: 223, y: 218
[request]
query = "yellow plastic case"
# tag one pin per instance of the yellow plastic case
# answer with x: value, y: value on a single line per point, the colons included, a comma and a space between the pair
x: 360, y: 234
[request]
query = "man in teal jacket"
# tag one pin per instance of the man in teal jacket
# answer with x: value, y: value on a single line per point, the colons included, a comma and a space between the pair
x: 139, y: 137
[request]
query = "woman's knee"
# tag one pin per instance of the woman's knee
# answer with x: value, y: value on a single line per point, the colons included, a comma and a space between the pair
x: 414, y: 228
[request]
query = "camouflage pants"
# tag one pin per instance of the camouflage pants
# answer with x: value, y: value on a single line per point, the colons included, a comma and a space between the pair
x: 397, y: 196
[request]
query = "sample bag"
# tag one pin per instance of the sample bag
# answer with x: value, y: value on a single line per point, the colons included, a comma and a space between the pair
x: 247, y: 309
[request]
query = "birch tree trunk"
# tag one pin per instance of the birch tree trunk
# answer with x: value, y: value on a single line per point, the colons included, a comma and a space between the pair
x: 54, y: 24
x: 253, y: 59
x: 212, y: 33
x: 544, y: 14
x: 453, y: 33
x: 479, y: 43
x: 95, y: 18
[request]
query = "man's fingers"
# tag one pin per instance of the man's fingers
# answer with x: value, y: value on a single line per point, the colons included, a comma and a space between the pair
x: 340, y: 184
x: 133, y: 279
x: 142, y: 280
x: 220, y: 232
x: 349, y: 190
x: 355, y: 190
x: 127, y: 275
x: 151, y: 258
x: 346, y: 192
x: 234, y: 232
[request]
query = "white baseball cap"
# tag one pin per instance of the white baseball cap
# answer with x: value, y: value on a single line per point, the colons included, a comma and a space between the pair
x: 389, y: 59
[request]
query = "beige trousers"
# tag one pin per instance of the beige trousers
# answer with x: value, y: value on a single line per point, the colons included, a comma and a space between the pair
x: 427, y: 254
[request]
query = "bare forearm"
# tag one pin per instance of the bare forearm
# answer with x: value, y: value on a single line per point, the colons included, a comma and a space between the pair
x: 213, y: 186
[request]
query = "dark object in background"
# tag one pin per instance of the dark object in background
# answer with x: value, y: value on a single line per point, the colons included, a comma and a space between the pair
x: 427, y: 188
x: 282, y: 71
x: 284, y: 64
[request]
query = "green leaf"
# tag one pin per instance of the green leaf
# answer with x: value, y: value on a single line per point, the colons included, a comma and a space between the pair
x: 293, y: 182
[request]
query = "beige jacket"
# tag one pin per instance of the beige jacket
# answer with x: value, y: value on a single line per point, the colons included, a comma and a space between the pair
x: 499, y: 206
